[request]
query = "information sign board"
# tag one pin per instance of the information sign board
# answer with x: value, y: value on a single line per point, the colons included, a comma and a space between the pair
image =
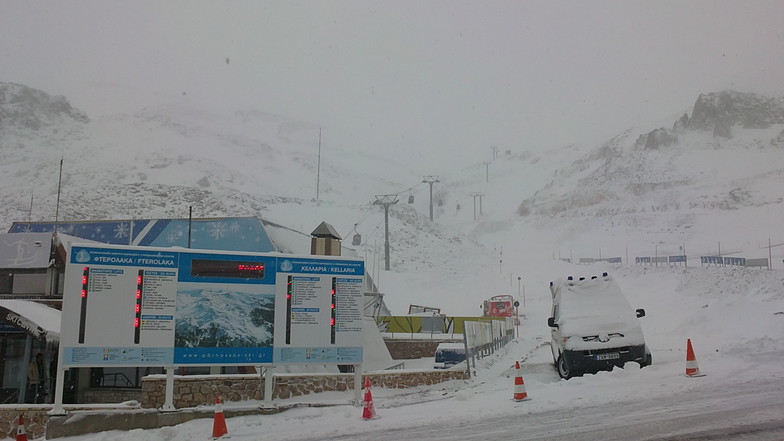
x: 143, y: 306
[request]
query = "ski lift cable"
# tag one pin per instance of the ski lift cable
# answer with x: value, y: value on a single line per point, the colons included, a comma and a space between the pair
x: 366, y: 213
x: 375, y: 231
x: 369, y: 206
x: 410, y: 189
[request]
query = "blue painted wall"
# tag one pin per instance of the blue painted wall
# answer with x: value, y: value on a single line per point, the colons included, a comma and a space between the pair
x: 231, y: 234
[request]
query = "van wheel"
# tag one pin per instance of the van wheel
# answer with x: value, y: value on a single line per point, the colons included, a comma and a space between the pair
x: 648, y: 360
x: 563, y: 368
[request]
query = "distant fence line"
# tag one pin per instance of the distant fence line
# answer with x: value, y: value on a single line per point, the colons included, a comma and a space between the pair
x: 682, y: 259
x: 483, y: 338
x: 593, y: 260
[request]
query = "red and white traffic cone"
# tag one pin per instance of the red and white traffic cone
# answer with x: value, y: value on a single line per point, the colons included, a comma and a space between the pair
x: 219, y: 421
x: 21, y: 435
x: 519, y: 385
x: 368, y: 411
x: 692, y: 370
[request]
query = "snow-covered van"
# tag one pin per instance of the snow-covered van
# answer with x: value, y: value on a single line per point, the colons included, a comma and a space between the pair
x: 593, y: 327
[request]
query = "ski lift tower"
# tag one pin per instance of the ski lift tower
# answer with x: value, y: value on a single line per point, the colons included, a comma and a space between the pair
x: 430, y: 180
x: 386, y: 200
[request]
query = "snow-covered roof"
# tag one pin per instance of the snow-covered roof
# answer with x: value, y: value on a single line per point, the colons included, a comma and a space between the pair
x: 233, y: 233
x: 326, y: 230
x: 37, y: 319
x: 25, y: 250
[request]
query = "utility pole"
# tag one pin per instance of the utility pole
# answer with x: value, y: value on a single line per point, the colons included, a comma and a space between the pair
x: 430, y: 180
x: 386, y: 200
x: 770, y: 254
x: 487, y: 171
x: 59, y: 184
x: 318, y: 167
x: 495, y: 152
x: 477, y: 195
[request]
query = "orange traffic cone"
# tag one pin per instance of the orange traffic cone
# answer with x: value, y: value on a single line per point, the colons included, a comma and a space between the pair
x: 692, y: 370
x: 368, y: 411
x: 219, y: 422
x: 21, y: 435
x: 519, y: 385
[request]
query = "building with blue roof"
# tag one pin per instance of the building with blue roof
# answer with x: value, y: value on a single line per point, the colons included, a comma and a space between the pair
x: 231, y: 234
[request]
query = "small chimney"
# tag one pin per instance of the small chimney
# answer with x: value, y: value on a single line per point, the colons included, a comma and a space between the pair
x: 325, y: 241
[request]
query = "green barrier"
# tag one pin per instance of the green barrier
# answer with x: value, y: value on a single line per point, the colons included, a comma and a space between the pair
x: 418, y: 325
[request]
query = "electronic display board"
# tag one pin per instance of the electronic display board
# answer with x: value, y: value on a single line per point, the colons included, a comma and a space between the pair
x: 143, y: 306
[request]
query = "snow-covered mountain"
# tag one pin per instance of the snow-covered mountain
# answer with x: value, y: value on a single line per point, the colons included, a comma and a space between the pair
x: 713, y: 177
x: 218, y: 318
x: 726, y: 160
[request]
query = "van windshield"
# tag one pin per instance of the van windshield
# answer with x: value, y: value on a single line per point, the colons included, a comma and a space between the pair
x: 597, y: 305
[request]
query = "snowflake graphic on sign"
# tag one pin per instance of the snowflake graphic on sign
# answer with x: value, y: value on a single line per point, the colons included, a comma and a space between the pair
x: 218, y: 230
x: 174, y: 236
x: 121, y: 230
x: 234, y: 227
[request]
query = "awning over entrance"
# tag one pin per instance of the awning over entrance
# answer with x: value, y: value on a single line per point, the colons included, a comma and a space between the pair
x: 36, y: 319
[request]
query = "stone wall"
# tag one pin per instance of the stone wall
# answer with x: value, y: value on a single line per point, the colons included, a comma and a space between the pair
x: 202, y: 390
x: 407, y: 349
x: 111, y: 395
x: 192, y: 391
x: 36, y: 417
x: 35, y: 420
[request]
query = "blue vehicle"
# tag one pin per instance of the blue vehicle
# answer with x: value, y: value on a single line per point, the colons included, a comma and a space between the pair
x: 449, y: 354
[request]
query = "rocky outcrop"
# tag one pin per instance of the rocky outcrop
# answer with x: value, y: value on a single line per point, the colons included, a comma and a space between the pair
x: 731, y: 108
x: 26, y: 108
x: 657, y: 138
x: 681, y: 123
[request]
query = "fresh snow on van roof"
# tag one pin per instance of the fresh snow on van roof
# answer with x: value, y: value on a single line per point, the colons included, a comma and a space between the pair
x: 594, y: 305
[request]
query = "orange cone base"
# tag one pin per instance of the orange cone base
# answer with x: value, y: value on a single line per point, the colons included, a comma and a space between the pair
x: 369, y: 413
x: 21, y: 435
x: 519, y: 385
x: 219, y: 426
x: 219, y: 421
x: 692, y: 369
x: 368, y: 410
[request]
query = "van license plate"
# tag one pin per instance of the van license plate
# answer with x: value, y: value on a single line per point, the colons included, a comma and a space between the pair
x: 610, y: 356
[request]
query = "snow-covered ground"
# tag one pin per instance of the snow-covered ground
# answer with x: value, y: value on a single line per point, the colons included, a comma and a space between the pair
x: 734, y: 317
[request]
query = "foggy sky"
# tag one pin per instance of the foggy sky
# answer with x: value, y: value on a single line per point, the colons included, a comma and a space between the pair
x: 417, y: 79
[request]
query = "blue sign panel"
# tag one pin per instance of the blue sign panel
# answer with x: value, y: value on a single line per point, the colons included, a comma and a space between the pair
x: 643, y: 259
x: 320, y: 266
x: 677, y: 259
x: 114, y: 257
x: 736, y: 261
x: 234, y: 234
x: 140, y: 306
